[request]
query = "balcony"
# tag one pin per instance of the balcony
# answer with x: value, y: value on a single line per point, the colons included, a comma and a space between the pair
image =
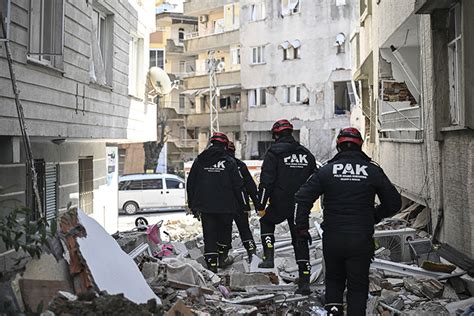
x: 226, y: 78
x: 200, y: 7
x: 226, y: 118
x: 172, y: 47
x: 199, y: 42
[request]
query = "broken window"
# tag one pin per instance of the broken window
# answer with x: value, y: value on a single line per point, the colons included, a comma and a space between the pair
x: 46, y: 31
x: 257, y: 97
x: 400, y: 115
x: 454, y: 64
x: 258, y: 55
x: 290, y: 7
x: 101, y: 46
x: 157, y: 58
x: 257, y: 12
x: 342, y: 99
x: 291, y: 49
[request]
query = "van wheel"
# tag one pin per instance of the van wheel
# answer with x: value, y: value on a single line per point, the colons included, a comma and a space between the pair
x: 130, y: 208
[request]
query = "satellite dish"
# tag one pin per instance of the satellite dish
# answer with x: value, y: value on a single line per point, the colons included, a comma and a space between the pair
x: 159, y: 82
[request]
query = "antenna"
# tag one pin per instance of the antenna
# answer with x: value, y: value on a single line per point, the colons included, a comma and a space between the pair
x: 213, y: 93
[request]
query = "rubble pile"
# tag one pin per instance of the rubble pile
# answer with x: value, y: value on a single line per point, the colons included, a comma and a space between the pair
x: 162, y: 271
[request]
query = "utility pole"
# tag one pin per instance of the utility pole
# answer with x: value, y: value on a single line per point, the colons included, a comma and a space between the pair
x: 213, y: 93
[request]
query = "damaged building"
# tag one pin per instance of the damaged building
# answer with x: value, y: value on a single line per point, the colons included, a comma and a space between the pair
x: 296, y: 65
x: 82, y: 93
x: 412, y: 63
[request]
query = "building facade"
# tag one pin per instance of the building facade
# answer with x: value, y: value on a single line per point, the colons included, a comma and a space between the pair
x: 218, y: 31
x: 80, y: 68
x: 413, y: 63
x: 296, y: 64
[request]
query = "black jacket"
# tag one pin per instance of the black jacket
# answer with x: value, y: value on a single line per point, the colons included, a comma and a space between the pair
x: 249, y: 184
x: 286, y: 166
x: 349, y: 183
x: 215, y: 184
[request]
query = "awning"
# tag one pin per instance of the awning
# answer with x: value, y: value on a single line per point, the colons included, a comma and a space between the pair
x: 221, y: 89
x: 284, y: 45
x: 190, y: 92
x: 295, y: 43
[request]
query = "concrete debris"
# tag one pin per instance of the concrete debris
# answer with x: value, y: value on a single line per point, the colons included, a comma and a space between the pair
x: 170, y: 268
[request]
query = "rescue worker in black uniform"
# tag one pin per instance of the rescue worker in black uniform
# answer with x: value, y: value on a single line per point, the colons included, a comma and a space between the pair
x: 215, y: 194
x: 242, y: 218
x: 286, y: 166
x: 349, y: 182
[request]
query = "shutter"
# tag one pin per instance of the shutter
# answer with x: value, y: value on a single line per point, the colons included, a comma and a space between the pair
x: 5, y: 14
x: 51, y: 192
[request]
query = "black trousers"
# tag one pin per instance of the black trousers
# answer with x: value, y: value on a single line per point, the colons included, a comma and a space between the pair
x: 347, y: 257
x: 267, y: 227
x: 216, y: 229
x: 242, y: 221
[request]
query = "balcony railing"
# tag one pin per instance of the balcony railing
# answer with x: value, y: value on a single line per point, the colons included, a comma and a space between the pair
x: 210, y: 32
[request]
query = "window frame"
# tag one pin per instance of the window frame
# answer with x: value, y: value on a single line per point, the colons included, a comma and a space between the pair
x: 36, y: 50
x: 258, y: 55
x: 455, y: 50
x: 156, y: 50
x: 257, y: 95
x: 136, y: 65
x: 175, y: 188
x: 157, y: 180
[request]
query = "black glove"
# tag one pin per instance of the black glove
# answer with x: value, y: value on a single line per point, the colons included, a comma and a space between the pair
x: 196, y: 215
x: 303, y: 235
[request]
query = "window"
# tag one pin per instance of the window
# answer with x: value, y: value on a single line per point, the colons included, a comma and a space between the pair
x: 157, y: 58
x: 5, y: 13
x: 136, y: 72
x: 257, y: 12
x: 181, y: 35
x: 182, y: 103
x: 174, y: 184
x: 298, y: 94
x: 342, y: 101
x: 47, y: 180
x: 46, y: 31
x: 235, y: 53
x: 455, y: 65
x: 291, y: 49
x: 102, y: 55
x: 289, y: 7
x: 257, y: 97
x: 86, y: 185
x: 263, y: 147
x: 258, y: 55
x: 293, y: 94
x: 134, y: 185
x: 152, y: 184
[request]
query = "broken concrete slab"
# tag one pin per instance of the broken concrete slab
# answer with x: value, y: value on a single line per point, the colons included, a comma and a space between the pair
x: 47, y: 268
x: 179, y: 308
x: 394, y: 282
x: 240, y: 281
x: 413, y: 286
x: 111, y: 269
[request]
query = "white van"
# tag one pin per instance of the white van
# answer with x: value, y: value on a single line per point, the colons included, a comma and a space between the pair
x: 138, y: 192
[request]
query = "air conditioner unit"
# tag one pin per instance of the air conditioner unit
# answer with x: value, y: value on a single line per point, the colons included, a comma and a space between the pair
x: 5, y: 16
x: 204, y: 18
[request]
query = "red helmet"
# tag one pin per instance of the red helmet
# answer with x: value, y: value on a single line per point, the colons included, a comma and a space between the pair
x: 231, y: 147
x: 219, y: 137
x: 282, y: 125
x: 349, y: 134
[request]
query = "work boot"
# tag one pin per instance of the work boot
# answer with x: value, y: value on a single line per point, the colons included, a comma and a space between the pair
x: 224, y: 259
x: 251, y: 248
x: 304, y: 270
x: 211, y: 262
x: 334, y: 309
x: 268, y: 252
